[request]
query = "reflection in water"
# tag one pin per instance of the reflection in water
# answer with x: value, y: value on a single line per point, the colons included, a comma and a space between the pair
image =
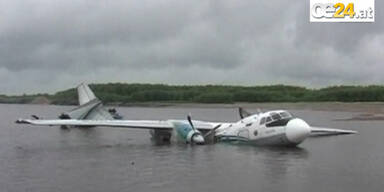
x: 84, y: 135
x: 276, y: 161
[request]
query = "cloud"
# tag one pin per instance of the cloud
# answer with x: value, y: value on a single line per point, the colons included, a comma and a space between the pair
x: 47, y: 46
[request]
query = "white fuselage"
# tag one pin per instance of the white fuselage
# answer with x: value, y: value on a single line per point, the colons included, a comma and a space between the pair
x: 271, y: 128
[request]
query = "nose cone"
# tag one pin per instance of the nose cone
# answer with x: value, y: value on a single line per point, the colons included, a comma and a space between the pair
x: 198, y: 139
x: 297, y: 130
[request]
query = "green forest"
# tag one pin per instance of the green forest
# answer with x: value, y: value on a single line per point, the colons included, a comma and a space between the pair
x: 119, y: 93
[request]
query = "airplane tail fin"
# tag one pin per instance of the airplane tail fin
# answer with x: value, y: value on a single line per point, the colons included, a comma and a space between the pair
x: 90, y: 107
x: 85, y: 94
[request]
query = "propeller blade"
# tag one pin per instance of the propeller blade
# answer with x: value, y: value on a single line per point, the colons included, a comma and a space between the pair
x: 211, y: 131
x: 190, y: 121
x: 35, y: 117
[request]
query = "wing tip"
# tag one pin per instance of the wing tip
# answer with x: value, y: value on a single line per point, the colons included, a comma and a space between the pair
x: 22, y: 121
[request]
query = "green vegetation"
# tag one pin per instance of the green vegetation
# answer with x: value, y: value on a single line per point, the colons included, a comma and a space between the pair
x: 23, y: 99
x: 119, y: 93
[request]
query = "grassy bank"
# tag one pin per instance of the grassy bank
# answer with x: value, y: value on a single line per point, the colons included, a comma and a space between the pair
x: 118, y: 93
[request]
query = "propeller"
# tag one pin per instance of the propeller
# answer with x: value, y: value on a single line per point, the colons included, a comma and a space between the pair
x: 196, y: 137
x: 35, y: 117
x: 206, y: 134
x: 212, y: 131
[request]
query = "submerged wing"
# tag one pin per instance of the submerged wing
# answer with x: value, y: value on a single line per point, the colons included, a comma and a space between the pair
x: 138, y: 124
x: 320, y: 131
x: 93, y: 110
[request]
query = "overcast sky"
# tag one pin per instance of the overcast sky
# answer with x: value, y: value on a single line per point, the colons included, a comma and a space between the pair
x: 51, y: 45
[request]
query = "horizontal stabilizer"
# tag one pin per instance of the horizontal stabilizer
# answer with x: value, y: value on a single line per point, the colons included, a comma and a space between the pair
x: 318, y: 131
x: 83, y: 111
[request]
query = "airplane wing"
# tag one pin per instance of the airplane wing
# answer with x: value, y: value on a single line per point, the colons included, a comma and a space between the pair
x: 320, y: 131
x: 138, y: 124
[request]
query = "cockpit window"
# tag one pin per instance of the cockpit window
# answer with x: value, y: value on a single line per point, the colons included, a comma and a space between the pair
x: 279, y: 119
x: 269, y: 119
x: 275, y: 116
x: 285, y: 115
x: 276, y: 119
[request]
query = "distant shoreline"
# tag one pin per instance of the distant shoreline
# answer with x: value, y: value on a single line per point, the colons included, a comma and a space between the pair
x: 366, y: 111
x: 162, y: 95
x: 365, y: 107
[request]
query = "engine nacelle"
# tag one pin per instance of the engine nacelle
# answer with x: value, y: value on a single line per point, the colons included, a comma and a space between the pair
x: 186, y: 133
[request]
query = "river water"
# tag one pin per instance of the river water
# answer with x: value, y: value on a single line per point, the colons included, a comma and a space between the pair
x: 46, y: 159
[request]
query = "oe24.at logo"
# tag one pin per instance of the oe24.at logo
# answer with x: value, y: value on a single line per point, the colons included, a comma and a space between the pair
x: 339, y: 10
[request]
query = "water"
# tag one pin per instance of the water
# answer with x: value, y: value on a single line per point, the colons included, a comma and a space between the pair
x: 45, y: 159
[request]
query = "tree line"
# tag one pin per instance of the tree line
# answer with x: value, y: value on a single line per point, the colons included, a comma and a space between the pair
x: 120, y: 93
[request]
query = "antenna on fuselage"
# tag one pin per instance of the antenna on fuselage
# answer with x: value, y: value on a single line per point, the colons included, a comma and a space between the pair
x: 243, y: 113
